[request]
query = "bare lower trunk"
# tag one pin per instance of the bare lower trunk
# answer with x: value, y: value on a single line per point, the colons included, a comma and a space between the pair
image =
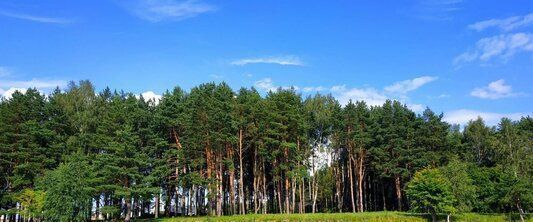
x: 264, y: 196
x: 279, y: 198
x: 128, y: 209
x: 241, y: 175
x: 219, y: 186
x: 301, y: 206
x: 156, y: 208
x: 397, y: 185
x: 520, y: 211
x: 433, y: 215
x: 350, y: 177
x: 360, y: 181
x: 315, y: 194
x: 293, y: 191
x: 286, y: 188
x: 231, y: 184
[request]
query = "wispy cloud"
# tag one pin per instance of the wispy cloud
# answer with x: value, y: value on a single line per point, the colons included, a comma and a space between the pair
x: 280, y: 60
x: 34, y: 18
x: 370, y: 95
x: 169, y: 10
x: 410, y: 84
x: 267, y: 85
x: 313, y: 89
x: 436, y: 10
x: 462, y: 116
x: 495, y: 90
x: 502, y: 46
x: 506, y: 24
x: 215, y: 76
x: 36, y: 83
x: 21, y: 86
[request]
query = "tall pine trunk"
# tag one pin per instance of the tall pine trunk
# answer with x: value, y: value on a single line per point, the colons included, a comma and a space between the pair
x: 231, y: 183
x: 241, y: 176
x: 360, y: 180
x: 350, y: 177
x: 397, y: 186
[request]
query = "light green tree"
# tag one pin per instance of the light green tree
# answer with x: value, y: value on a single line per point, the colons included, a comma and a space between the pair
x: 31, y: 202
x: 429, y: 190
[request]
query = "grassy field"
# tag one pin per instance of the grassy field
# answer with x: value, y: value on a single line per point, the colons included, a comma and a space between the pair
x: 369, y: 216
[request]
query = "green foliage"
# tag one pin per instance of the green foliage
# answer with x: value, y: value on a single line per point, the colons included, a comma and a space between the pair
x: 68, y: 190
x: 430, y: 190
x: 31, y: 202
x: 463, y: 189
x: 191, y: 151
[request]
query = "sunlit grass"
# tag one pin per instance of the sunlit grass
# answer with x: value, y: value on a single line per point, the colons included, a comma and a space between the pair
x: 330, y: 217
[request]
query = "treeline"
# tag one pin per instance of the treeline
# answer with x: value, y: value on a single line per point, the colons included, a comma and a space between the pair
x: 76, y: 155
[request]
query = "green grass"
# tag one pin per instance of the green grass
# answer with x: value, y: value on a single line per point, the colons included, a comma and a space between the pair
x: 330, y: 217
x: 370, y: 216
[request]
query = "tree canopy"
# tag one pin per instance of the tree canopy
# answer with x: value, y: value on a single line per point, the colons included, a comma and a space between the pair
x: 78, y: 154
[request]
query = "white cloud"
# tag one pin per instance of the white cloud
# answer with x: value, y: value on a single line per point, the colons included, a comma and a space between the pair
x: 338, y: 88
x: 33, y: 18
x: 280, y: 60
x: 169, y: 10
x: 215, y: 76
x: 41, y: 85
x: 495, y: 90
x: 150, y: 95
x: 416, y: 107
x: 34, y: 83
x: 369, y: 95
x: 267, y: 85
x: 375, y: 97
x: 410, y: 84
x: 343, y: 94
x: 313, y: 89
x: 8, y: 93
x: 502, y: 46
x: 462, y: 116
x: 506, y: 24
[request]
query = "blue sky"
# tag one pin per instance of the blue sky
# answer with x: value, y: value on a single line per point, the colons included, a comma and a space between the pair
x: 464, y: 58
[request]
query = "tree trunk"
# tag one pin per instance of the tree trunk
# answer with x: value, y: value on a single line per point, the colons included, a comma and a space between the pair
x: 128, y: 209
x: 383, y: 197
x: 156, y: 209
x: 397, y: 185
x: 241, y: 176
x: 209, y: 168
x: 339, y: 175
x: 219, y: 185
x: 433, y: 215
x: 314, y: 187
x: 520, y: 211
x: 264, y: 196
x: 280, y: 206
x: 350, y: 177
x: 231, y: 183
x: 287, y: 203
x: 360, y: 181
x: 302, y: 197
x: 293, y: 191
